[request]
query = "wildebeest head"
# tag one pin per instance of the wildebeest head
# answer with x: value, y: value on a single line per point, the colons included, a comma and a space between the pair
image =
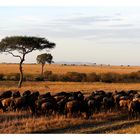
x: 16, y: 94
x: 26, y: 93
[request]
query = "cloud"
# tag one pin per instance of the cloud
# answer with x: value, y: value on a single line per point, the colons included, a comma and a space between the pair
x: 90, y: 26
x: 122, y: 25
x: 88, y: 19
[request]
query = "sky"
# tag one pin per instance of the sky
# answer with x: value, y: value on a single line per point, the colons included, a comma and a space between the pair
x: 96, y: 34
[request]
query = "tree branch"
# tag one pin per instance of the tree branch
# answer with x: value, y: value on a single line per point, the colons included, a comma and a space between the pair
x: 30, y: 50
x: 14, y: 54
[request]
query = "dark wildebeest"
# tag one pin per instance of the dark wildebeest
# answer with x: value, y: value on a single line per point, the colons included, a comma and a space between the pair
x: 6, y: 103
x: 75, y: 108
x: 16, y: 94
x: 46, y: 95
x: 25, y: 102
x: 26, y: 93
x: 134, y: 109
x: 108, y: 103
x: 6, y: 94
x: 124, y: 104
x: 46, y: 104
x: 2, y: 107
x: 61, y: 105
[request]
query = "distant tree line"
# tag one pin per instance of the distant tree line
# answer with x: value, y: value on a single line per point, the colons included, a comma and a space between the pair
x: 75, y: 77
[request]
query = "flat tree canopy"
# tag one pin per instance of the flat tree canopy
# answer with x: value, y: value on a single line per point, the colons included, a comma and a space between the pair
x: 24, y: 45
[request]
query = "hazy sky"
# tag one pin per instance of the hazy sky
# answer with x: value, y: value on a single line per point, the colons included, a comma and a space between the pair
x: 102, y: 35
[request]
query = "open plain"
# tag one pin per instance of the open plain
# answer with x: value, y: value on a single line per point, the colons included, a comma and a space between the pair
x: 103, y: 122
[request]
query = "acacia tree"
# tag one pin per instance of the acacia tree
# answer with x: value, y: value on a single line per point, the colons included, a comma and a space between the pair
x: 20, y: 46
x: 44, y: 58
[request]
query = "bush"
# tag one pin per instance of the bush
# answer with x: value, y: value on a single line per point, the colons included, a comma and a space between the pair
x: 16, y: 76
x: 39, y: 78
x: 47, y: 75
x: 53, y: 77
x: 1, y: 76
x: 30, y: 77
x: 92, y: 77
x: 75, y: 76
x: 134, y: 76
x: 13, y: 77
x: 109, y: 77
x: 63, y: 78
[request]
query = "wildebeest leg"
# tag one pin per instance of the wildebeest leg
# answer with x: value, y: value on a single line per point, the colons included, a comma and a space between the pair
x: 130, y: 115
x: 66, y: 114
x: 137, y: 115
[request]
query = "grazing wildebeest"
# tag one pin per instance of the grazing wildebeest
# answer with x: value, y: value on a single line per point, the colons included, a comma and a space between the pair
x: 100, y: 92
x: 134, y: 109
x: 46, y: 104
x: 62, y: 94
x: 75, y: 108
x: 108, y: 103
x: 92, y: 105
x: 16, y: 94
x: 61, y: 105
x: 25, y: 102
x: 1, y: 106
x: 124, y: 104
x: 6, y: 103
x: 46, y: 95
x: 26, y: 93
x: 5, y: 94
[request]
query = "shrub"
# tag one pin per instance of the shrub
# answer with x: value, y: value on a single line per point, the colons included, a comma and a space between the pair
x: 17, y: 76
x: 53, y: 77
x: 75, y: 76
x: 1, y: 76
x: 13, y: 76
x: 63, y: 78
x: 109, y: 77
x: 39, y: 78
x: 47, y: 75
x: 30, y: 77
x: 134, y: 76
x: 92, y: 77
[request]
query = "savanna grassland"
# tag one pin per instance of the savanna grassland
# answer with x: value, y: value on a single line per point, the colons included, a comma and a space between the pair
x: 62, y: 69
x: 110, y: 122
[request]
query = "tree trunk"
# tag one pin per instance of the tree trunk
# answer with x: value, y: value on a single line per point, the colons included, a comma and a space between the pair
x: 42, y: 70
x: 21, y: 73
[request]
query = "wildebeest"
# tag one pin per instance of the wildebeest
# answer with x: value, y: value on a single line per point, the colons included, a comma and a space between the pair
x: 108, y: 103
x: 1, y: 106
x: 46, y: 104
x: 16, y: 94
x: 134, y: 109
x: 47, y: 94
x: 6, y: 103
x: 75, y: 108
x: 5, y: 94
x: 124, y: 104
x: 27, y: 101
x: 26, y: 93
x: 74, y: 103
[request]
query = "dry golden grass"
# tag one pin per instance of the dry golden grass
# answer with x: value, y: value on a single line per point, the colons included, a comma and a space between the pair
x: 55, y: 87
x: 23, y: 122
x: 60, y: 69
x: 130, y: 130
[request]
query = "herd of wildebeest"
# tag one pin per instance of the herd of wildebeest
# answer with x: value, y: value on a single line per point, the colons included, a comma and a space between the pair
x: 74, y: 104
